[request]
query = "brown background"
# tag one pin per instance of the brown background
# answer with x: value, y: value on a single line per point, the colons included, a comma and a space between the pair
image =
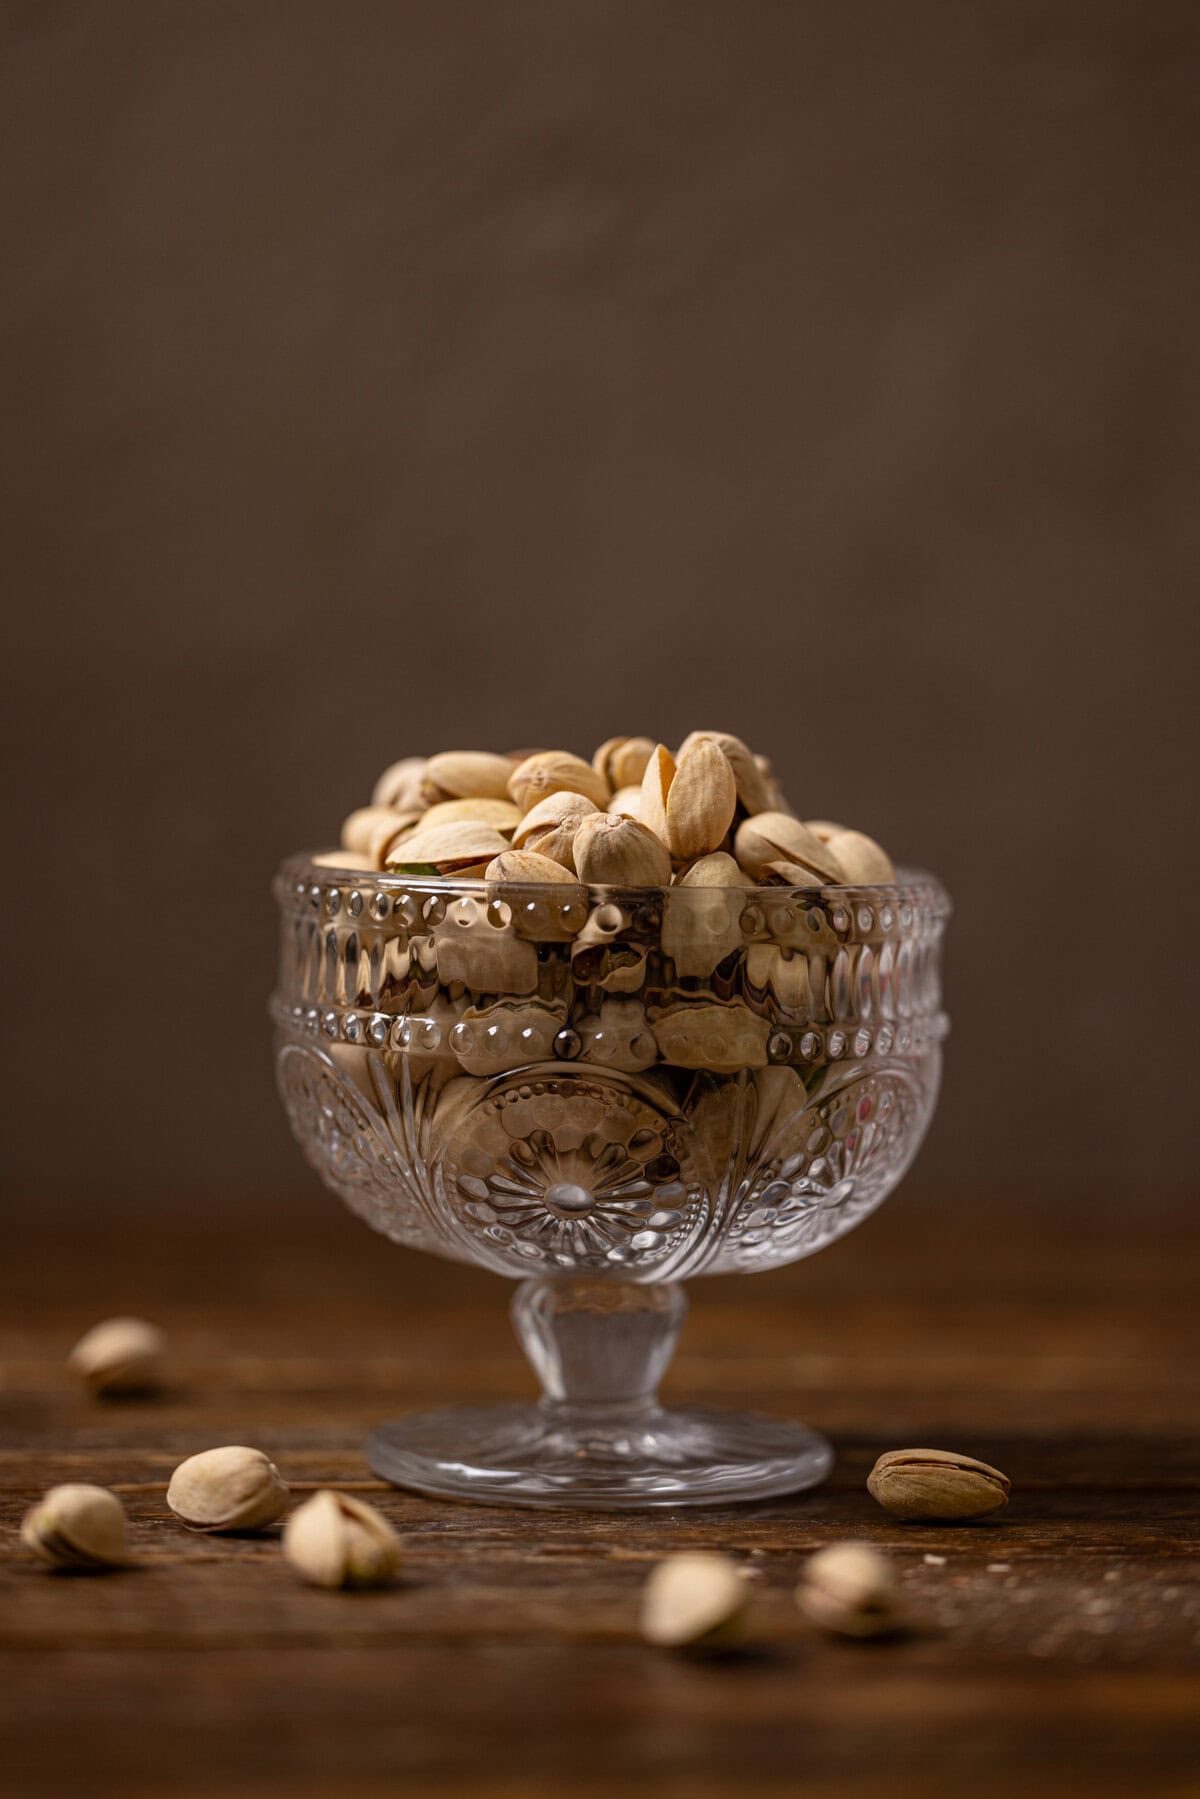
x: 384, y: 377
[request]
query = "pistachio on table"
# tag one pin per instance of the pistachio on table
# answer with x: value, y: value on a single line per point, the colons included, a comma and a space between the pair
x: 230, y: 1488
x: 848, y: 1589
x: 335, y: 1540
x: 77, y: 1526
x: 120, y: 1355
x: 936, y: 1485
x: 695, y: 1599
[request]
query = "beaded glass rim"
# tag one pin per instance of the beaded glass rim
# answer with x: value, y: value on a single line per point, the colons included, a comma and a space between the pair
x: 301, y: 873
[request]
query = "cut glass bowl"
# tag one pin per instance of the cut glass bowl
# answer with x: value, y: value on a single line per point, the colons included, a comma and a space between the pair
x: 601, y: 1093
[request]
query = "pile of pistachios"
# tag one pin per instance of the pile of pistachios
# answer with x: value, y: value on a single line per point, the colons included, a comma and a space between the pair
x: 710, y: 815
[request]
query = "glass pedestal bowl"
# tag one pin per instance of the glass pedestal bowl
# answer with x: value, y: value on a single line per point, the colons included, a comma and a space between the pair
x: 601, y: 1093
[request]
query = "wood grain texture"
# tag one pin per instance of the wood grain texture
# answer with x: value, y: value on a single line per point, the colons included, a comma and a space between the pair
x: 1058, y: 1646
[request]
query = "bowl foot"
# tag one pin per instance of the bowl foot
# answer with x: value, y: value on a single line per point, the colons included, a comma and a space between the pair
x: 539, y: 1456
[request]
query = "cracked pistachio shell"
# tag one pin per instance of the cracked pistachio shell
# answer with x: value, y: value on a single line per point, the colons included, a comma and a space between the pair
x: 778, y: 837
x: 369, y: 831
x: 549, y: 827
x: 622, y: 760
x: 696, y: 1599
x: 627, y: 801
x: 701, y: 801
x: 789, y: 874
x: 861, y: 859
x: 555, y: 771
x: 656, y: 785
x: 848, y: 1589
x: 231, y: 1488
x: 824, y: 828
x: 455, y: 846
x: 936, y: 1485
x: 612, y: 851
x: 527, y: 865
x: 464, y: 775
x: 753, y: 790
x: 120, y: 1355
x: 782, y: 975
x: 502, y: 815
x: 722, y: 1038
x: 77, y: 1526
x: 701, y: 929
x: 335, y: 1540
x: 400, y: 785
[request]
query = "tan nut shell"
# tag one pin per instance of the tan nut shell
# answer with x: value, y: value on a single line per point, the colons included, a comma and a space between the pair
x: 485, y: 957
x: 502, y: 815
x: 656, y: 785
x: 936, y: 1484
x: 705, y: 927
x: 466, y: 774
x: 777, y: 837
x: 335, y: 1540
x: 120, y: 1355
x: 627, y: 801
x: 721, y: 1038
x: 400, y: 785
x: 622, y: 760
x: 701, y: 801
x: 555, y: 771
x: 692, y: 1599
x: 230, y: 1488
x: 753, y: 788
x: 619, y: 852
x: 861, y: 859
x: 455, y: 846
x: 527, y: 865
x: 549, y: 827
x: 369, y: 831
x: 848, y: 1589
x: 77, y: 1526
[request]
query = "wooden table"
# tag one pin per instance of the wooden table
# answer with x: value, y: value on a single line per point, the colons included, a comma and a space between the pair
x: 1055, y: 1652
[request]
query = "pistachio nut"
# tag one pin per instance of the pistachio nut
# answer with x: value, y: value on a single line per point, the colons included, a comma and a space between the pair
x: 848, y: 1589
x: 701, y: 802
x: 527, y: 865
x: 781, y: 975
x: 461, y: 847
x: 753, y: 789
x: 936, y: 1485
x: 695, y: 1599
x: 335, y: 1540
x: 77, y: 1526
x: 465, y: 775
x: 486, y: 957
x: 611, y: 851
x: 555, y: 771
x: 344, y: 859
x: 699, y: 931
x: 368, y: 832
x: 231, y: 1488
x: 777, y: 837
x: 824, y: 828
x: 120, y: 1355
x: 656, y: 784
x: 622, y: 760
x: 549, y: 827
x: 400, y: 785
x: 861, y: 859
x: 627, y: 801
x: 502, y: 814
x: 722, y: 1038
x: 789, y: 874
